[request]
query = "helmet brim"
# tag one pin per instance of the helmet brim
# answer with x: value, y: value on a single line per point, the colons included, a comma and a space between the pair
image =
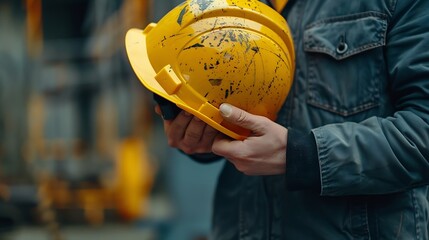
x: 136, y: 47
x: 135, y: 44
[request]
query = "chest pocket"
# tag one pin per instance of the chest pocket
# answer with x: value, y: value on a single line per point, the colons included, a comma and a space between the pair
x: 346, y: 62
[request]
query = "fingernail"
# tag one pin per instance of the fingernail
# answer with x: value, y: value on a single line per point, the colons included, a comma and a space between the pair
x: 225, y: 109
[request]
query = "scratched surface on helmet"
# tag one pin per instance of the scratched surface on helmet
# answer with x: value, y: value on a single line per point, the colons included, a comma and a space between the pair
x: 200, y: 6
x: 226, y: 56
x: 236, y: 66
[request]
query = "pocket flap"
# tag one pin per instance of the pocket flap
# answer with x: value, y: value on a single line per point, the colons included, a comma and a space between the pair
x: 344, y: 36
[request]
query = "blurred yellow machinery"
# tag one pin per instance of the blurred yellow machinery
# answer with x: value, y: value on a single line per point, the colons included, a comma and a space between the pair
x: 125, y: 187
x: 77, y: 141
x: 127, y: 192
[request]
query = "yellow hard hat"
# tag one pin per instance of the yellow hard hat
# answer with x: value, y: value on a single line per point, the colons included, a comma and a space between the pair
x: 207, y: 52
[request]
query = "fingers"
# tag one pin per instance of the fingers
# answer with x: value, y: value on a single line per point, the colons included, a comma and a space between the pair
x: 208, y: 138
x: 198, y: 137
x: 193, y: 133
x: 242, y: 118
x: 188, y: 133
x: 227, y: 147
x: 256, y: 155
x: 177, y: 129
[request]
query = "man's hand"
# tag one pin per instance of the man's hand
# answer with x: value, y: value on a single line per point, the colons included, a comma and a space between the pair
x: 188, y: 133
x: 262, y: 153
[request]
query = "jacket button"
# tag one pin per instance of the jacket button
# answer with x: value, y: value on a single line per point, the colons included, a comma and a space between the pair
x: 342, y: 48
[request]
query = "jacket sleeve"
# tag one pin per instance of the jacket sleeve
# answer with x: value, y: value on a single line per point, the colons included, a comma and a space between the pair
x: 386, y: 155
x: 302, y: 166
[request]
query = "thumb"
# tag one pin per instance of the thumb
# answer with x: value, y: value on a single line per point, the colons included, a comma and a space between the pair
x: 241, y: 118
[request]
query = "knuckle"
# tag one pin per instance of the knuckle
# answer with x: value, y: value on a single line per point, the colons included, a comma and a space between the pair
x: 188, y: 147
x: 242, y: 117
x: 193, y: 135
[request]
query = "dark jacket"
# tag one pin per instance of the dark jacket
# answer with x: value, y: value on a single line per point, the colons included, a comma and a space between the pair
x: 358, y: 114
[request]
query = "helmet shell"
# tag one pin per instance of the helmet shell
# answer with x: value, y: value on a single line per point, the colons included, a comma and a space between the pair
x: 204, y: 53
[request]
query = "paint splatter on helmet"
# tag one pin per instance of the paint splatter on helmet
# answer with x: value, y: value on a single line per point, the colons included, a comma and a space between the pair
x: 207, y: 52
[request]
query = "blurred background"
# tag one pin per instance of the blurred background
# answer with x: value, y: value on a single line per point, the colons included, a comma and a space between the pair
x: 82, y: 154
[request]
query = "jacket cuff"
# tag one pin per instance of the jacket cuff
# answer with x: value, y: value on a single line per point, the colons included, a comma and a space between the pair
x: 302, y: 164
